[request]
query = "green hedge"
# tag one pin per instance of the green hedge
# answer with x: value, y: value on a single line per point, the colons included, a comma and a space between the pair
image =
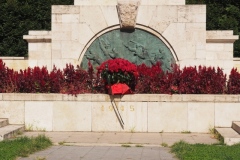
x: 18, y: 17
x: 222, y: 15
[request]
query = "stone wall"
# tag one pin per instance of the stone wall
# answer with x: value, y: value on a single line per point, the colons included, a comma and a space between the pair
x: 143, y: 2
x: 140, y: 112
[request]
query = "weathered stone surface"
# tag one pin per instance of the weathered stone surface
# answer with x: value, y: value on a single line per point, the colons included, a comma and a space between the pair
x: 127, y: 12
x: 13, y: 110
x: 71, y: 116
x: 167, y: 117
x: 39, y: 115
x: 110, y: 15
x: 196, y: 112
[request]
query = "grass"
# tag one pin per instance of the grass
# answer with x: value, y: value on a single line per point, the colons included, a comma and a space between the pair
x: 23, y: 146
x: 186, y: 132
x: 164, y: 144
x: 126, y: 145
x: 138, y: 145
x: 185, y: 151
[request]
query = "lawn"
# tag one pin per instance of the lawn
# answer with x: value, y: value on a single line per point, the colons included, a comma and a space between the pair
x: 22, y: 147
x: 185, y: 151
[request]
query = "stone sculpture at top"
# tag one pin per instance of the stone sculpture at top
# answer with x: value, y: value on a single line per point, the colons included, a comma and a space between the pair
x: 127, y: 13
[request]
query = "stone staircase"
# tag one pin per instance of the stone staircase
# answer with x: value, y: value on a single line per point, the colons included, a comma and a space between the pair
x: 231, y: 135
x: 8, y: 131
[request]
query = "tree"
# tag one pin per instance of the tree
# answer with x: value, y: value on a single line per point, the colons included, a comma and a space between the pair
x: 222, y: 15
x: 18, y: 17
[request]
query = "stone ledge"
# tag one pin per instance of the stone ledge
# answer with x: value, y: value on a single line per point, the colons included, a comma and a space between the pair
x: 35, y: 38
x: 65, y: 9
x: 12, y: 58
x: 121, y: 98
x: 221, y: 37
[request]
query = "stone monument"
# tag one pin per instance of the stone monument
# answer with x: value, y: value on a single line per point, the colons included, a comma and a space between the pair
x: 142, y: 31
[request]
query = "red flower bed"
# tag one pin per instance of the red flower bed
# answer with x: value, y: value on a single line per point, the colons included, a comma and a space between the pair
x: 141, y: 79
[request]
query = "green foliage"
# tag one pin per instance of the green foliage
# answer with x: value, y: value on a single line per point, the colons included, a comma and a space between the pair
x: 10, y: 149
x: 18, y: 17
x: 222, y: 15
x: 187, y: 151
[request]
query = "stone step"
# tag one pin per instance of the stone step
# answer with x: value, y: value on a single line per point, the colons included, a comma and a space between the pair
x: 230, y: 136
x: 10, y: 131
x: 236, y: 126
x: 3, y: 122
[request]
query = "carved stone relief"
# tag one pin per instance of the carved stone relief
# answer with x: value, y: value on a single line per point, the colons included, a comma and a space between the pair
x: 138, y: 47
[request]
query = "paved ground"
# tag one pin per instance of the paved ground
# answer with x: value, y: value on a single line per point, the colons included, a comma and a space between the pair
x: 112, y: 145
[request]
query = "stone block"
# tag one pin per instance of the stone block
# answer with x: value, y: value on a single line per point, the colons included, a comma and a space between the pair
x: 134, y: 116
x: 196, y: 36
x: 162, y: 2
x: 216, y: 47
x: 33, y: 47
x: 1, y: 96
x: 200, y: 54
x: 39, y: 33
x: 42, y: 51
x: 59, y: 27
x: 200, y: 116
x: 70, y: 18
x: 62, y: 35
x: 56, y: 18
x: 211, y: 55
x: 145, y: 14
x: 171, y: 98
x: 186, y: 50
x: 198, y: 98
x: 167, y: 117
x: 16, y: 64
x: 71, y: 50
x: 176, y: 30
x: 226, y: 98
x: 61, y: 63
x: 190, y: 62
x: 39, y: 115
x: 47, y: 97
x: 138, y: 97
x: 163, y: 17
x: 196, y: 27
x: 88, y: 16
x: 228, y: 47
x: 56, y: 54
x: 63, y: 9
x: 110, y: 15
x: 72, y: 116
x: 95, y: 2
x: 225, y: 36
x: 17, y: 96
x: 225, y: 55
x: 79, y: 97
x: 85, y: 34
x: 225, y: 113
x: 192, y: 13
x: 45, y: 63
x: 101, y: 98
x: 13, y: 110
x: 104, y: 117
